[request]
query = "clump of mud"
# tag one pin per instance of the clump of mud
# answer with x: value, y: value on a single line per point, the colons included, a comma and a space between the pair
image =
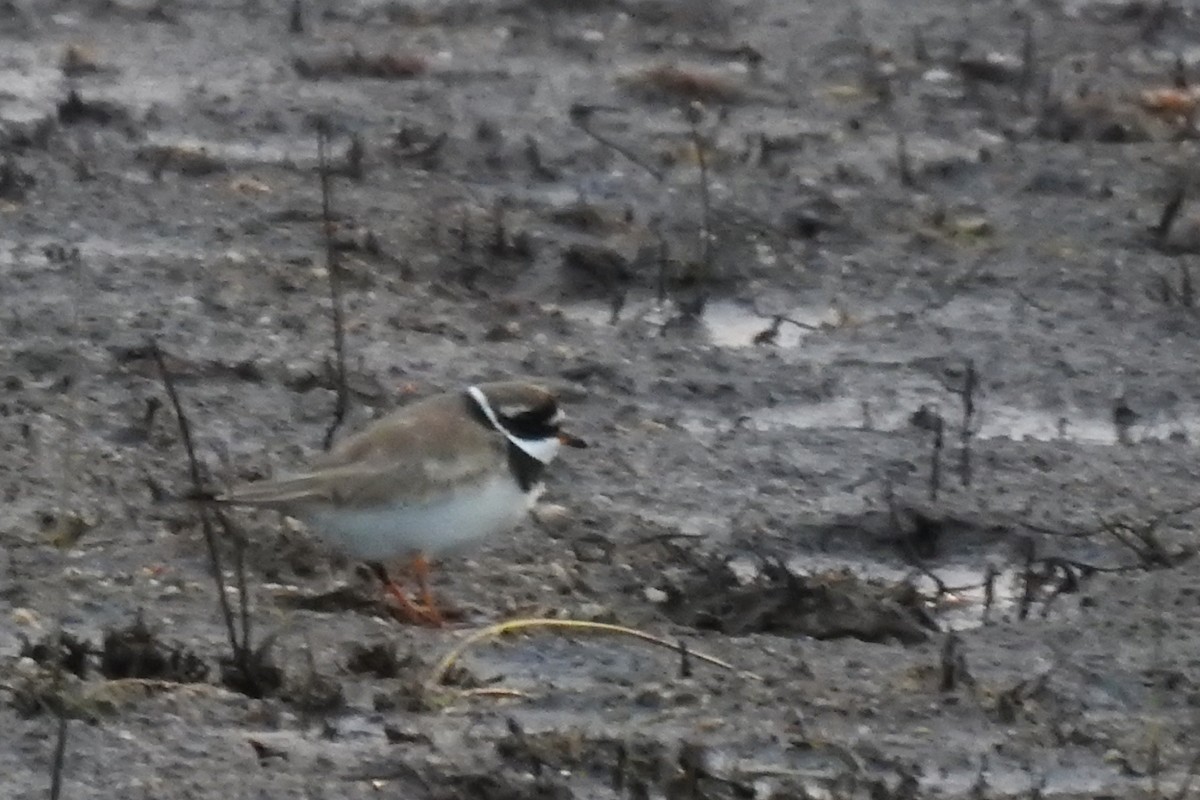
x: 630, y: 767
x: 775, y: 600
x: 252, y: 673
x: 65, y: 649
x: 378, y: 659
x: 136, y: 652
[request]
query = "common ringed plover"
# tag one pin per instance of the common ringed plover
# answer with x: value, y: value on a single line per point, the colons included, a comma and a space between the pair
x: 427, y: 479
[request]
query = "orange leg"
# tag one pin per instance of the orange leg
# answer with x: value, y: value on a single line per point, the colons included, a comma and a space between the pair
x: 420, y: 568
x: 406, y: 610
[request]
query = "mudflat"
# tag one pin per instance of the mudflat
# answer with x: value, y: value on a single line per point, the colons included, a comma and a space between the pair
x: 880, y: 319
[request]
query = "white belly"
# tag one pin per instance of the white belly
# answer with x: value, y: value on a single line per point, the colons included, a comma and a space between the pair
x: 449, y: 523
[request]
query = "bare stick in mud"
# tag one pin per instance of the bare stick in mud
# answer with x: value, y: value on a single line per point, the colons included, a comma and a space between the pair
x: 296, y: 17
x: 1028, y: 60
x: 356, y: 157
x: 206, y: 525
x: 239, y: 571
x: 616, y: 303
x: 60, y: 756
x: 935, y: 467
x: 695, y: 113
x: 685, y: 661
x: 953, y: 664
x: 59, y: 762
x: 664, y: 262
x: 989, y: 592
x: 970, y: 385
x: 929, y: 418
x: 335, y: 285
x: 581, y: 116
x: 904, y: 161
x: 498, y: 244
x: 464, y: 232
x: 1029, y: 580
x: 1170, y: 212
x: 254, y: 670
x: 920, y: 49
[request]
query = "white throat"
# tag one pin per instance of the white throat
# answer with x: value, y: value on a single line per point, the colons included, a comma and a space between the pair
x: 544, y: 450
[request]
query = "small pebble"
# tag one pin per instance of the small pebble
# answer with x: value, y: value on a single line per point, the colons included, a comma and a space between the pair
x: 26, y: 618
x: 553, y: 516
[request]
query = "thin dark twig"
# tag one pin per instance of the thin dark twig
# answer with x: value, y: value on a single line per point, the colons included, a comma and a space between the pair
x: 1028, y: 59
x: 1029, y: 301
x: 581, y: 115
x: 970, y: 386
x: 685, y: 662
x: 903, y: 161
x: 694, y: 112
x: 1170, y: 212
x: 60, y: 754
x: 59, y: 761
x: 210, y: 536
x: 663, y: 256
x: 239, y: 570
x: 935, y: 466
x: 335, y: 285
x: 780, y: 319
x: 989, y: 592
x: 1027, y: 579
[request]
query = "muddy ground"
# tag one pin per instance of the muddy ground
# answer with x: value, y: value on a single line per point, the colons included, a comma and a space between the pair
x: 771, y: 252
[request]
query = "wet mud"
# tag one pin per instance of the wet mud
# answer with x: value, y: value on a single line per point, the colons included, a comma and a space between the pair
x: 880, y: 319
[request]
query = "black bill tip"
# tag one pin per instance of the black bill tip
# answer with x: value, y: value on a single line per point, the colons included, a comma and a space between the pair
x: 571, y: 441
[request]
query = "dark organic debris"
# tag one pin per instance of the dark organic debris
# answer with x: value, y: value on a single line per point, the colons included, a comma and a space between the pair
x: 74, y: 109
x: 64, y: 648
x: 596, y: 264
x: 78, y: 60
x: 674, y: 83
x: 315, y: 693
x: 339, y: 599
x: 253, y: 674
x: 15, y: 182
x: 356, y: 64
x: 265, y: 753
x: 377, y: 659
x: 500, y: 786
x: 627, y: 761
x: 182, y: 159
x: 411, y: 696
x: 999, y: 68
x: 827, y: 605
x: 136, y: 652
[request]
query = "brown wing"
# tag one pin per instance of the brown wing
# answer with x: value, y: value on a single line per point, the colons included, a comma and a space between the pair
x: 407, y: 456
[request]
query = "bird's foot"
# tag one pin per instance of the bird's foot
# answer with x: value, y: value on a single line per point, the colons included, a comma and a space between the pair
x: 405, y: 610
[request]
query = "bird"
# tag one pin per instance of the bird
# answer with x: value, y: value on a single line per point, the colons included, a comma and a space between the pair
x: 428, y: 479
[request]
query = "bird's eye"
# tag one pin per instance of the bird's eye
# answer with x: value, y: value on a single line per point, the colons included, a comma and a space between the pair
x: 533, y: 423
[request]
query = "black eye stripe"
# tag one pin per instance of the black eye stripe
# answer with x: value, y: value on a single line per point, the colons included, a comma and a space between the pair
x: 535, y: 423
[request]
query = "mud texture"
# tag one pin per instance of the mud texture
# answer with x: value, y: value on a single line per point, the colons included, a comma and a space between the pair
x: 880, y: 317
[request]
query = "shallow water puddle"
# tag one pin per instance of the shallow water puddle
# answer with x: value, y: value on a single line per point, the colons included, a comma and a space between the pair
x: 276, y: 151
x: 725, y: 322
x: 960, y: 602
x: 994, y: 422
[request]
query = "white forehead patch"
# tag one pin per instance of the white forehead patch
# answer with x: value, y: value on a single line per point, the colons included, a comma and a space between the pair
x: 544, y: 450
